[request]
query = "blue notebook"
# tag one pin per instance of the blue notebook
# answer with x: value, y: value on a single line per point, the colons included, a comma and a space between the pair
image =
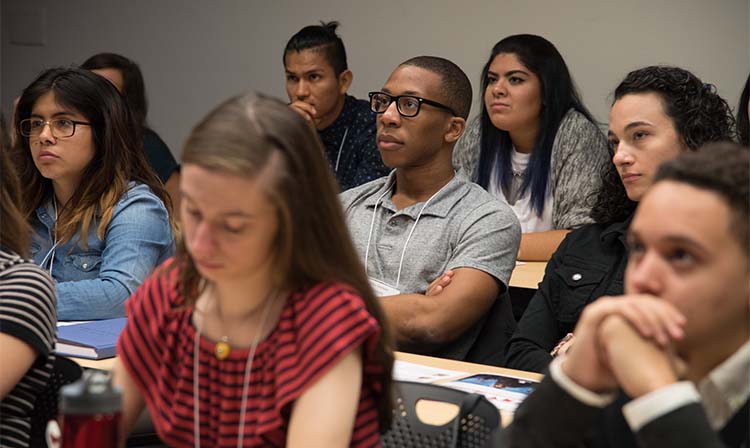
x: 95, y: 339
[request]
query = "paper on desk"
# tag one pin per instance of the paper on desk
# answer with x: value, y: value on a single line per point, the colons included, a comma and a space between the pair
x: 505, y: 392
x: 65, y: 323
x: 408, y: 371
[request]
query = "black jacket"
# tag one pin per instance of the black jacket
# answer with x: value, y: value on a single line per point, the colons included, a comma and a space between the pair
x: 550, y: 417
x: 590, y: 263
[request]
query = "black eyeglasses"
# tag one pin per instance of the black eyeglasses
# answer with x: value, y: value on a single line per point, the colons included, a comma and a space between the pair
x: 61, y: 127
x: 407, y: 105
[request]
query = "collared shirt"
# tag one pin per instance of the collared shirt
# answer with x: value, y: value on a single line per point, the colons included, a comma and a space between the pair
x: 461, y: 226
x: 93, y: 283
x: 722, y: 392
x: 350, y: 145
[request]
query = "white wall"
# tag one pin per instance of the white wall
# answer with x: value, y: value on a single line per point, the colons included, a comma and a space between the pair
x: 196, y: 53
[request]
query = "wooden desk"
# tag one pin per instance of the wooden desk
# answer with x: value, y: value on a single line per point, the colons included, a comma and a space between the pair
x: 528, y: 275
x: 449, y: 364
x: 440, y: 414
x: 469, y: 367
x: 101, y: 364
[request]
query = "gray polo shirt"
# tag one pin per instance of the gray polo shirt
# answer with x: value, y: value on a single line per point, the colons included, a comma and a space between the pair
x: 461, y: 226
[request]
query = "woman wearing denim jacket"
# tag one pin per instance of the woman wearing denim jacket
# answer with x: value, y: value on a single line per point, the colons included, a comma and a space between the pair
x: 100, y: 215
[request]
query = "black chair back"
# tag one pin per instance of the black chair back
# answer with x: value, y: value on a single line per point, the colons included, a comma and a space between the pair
x: 64, y: 371
x: 477, y: 419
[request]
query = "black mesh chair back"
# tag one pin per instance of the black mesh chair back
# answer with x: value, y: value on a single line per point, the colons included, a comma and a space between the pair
x: 64, y: 371
x: 477, y: 419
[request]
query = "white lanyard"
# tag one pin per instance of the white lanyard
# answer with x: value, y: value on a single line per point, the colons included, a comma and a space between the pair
x: 411, y: 232
x: 341, y: 146
x: 245, y: 383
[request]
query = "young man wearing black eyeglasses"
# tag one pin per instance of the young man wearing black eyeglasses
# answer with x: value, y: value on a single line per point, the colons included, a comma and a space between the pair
x: 424, y: 219
x: 317, y: 79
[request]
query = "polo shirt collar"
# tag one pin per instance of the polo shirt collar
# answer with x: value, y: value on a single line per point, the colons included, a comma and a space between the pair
x: 440, y: 205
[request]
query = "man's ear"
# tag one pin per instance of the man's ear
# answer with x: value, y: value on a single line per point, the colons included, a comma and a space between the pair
x: 456, y: 128
x: 345, y: 81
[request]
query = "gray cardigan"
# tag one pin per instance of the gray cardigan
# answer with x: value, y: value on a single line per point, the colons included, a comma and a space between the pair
x: 579, y: 153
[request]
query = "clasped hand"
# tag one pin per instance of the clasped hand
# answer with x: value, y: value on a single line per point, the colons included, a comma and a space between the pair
x: 626, y: 342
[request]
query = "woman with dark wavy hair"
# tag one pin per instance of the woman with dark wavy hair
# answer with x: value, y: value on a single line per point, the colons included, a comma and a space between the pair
x: 658, y: 112
x: 534, y: 145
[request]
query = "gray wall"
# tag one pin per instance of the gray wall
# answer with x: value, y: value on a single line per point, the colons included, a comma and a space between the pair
x: 196, y: 53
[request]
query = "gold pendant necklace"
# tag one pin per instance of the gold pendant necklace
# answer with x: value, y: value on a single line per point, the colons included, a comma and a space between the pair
x: 245, y: 382
x: 222, y: 348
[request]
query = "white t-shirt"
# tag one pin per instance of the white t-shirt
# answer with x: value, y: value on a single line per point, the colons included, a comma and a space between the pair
x: 530, y: 221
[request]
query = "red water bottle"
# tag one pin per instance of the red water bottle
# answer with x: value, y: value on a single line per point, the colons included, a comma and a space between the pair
x: 90, y: 412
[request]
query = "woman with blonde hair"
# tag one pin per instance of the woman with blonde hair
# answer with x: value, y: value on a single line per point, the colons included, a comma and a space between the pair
x: 100, y: 216
x: 263, y: 330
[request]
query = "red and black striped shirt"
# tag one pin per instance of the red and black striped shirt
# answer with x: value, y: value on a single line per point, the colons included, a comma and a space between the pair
x: 316, y: 329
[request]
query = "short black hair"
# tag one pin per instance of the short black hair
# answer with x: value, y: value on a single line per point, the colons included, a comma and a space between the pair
x: 722, y: 168
x: 133, y: 87
x: 321, y: 38
x: 455, y: 88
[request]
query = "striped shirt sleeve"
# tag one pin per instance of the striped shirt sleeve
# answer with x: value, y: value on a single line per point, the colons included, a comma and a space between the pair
x: 331, y: 321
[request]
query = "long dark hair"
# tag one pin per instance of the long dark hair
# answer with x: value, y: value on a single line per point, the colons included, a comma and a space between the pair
x: 699, y: 116
x: 119, y: 157
x: 244, y: 135
x: 15, y: 232
x: 133, y: 87
x: 558, y: 94
x: 743, y: 120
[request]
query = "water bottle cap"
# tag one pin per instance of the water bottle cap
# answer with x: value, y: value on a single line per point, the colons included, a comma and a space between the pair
x: 92, y: 394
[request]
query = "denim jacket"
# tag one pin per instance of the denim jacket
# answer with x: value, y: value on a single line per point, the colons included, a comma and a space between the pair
x: 94, y: 283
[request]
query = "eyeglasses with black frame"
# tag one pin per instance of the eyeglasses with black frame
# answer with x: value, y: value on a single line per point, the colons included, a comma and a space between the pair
x: 407, y: 105
x: 61, y: 127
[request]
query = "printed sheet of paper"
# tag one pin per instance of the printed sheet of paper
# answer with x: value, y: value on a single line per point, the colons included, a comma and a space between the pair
x: 408, y: 371
x: 505, y: 392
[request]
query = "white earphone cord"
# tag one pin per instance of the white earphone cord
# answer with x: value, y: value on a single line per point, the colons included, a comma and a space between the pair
x: 51, y: 253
